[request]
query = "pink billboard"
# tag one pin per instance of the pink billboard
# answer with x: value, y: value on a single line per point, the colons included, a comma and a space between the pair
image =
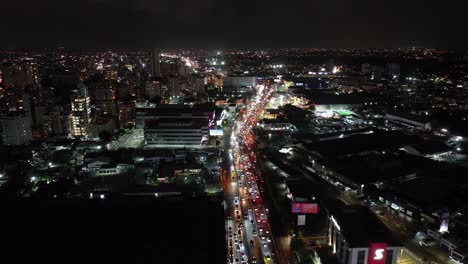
x: 305, y: 208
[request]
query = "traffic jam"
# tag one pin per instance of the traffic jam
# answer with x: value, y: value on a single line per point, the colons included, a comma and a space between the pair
x: 249, y: 234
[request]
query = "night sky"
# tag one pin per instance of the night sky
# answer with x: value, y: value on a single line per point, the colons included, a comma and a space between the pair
x: 235, y: 23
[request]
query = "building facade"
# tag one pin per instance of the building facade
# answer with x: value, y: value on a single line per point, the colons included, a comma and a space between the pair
x: 16, y: 128
x: 80, y: 118
x: 175, y: 125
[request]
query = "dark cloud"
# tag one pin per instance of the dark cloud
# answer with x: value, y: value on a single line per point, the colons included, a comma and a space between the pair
x: 242, y: 23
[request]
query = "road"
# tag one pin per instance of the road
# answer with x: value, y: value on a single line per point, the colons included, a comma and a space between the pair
x: 248, y: 232
x: 131, y: 139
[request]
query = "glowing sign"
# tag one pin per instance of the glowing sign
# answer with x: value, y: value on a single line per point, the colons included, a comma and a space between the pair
x: 301, y: 220
x: 216, y: 132
x: 305, y: 208
x: 377, y: 253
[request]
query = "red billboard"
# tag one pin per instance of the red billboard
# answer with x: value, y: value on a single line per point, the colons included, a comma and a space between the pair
x: 377, y: 253
x: 305, y: 208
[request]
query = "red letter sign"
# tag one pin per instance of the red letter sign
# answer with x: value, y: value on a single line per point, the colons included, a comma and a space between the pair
x: 377, y: 253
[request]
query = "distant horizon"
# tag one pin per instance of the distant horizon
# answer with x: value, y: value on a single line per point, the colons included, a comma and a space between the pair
x: 212, y: 49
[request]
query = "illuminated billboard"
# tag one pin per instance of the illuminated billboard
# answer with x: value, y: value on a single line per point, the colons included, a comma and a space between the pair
x: 305, y: 208
x: 377, y: 253
x: 301, y: 220
x: 216, y: 132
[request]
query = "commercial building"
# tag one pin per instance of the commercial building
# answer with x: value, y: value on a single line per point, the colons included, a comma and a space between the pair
x: 357, y: 161
x: 16, y: 128
x: 80, y: 119
x: 409, y: 119
x: 176, y: 125
x: 356, y: 236
x: 239, y: 81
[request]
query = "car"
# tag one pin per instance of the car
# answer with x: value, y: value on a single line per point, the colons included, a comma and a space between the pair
x: 238, y: 248
x: 254, y: 260
x: 254, y: 232
x: 268, y: 257
x: 251, y: 243
x: 238, y: 218
x: 251, y: 222
x: 268, y: 239
x: 264, y: 244
x: 242, y: 256
x: 428, y: 242
x: 239, y: 232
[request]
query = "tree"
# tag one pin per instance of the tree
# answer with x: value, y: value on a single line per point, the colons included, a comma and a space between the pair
x: 105, y: 135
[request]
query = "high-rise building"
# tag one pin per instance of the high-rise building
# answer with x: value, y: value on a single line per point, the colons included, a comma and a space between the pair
x: 141, y: 79
x: 16, y: 128
x: 393, y: 68
x: 155, y: 64
x: 55, y: 123
x: 330, y: 64
x: 152, y: 89
x: 173, y: 87
x: 81, y: 112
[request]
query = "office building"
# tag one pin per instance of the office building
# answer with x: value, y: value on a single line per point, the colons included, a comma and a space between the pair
x: 16, y: 128
x: 155, y: 64
x: 176, y: 125
x: 81, y: 112
x: 173, y: 87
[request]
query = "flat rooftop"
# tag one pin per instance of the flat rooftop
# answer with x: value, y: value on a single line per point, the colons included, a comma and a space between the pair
x: 436, y: 189
x: 376, y: 167
x: 360, y: 227
x: 360, y: 143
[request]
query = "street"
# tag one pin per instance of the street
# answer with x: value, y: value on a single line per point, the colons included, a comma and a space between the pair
x: 248, y: 232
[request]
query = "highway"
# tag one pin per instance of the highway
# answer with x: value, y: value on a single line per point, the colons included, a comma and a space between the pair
x: 248, y: 231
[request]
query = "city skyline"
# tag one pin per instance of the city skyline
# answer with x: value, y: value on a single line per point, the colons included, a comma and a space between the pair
x: 240, y: 132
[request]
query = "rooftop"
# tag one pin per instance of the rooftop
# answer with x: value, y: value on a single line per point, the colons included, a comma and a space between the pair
x: 359, y: 143
x: 377, y: 167
x: 437, y: 189
x: 360, y: 227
